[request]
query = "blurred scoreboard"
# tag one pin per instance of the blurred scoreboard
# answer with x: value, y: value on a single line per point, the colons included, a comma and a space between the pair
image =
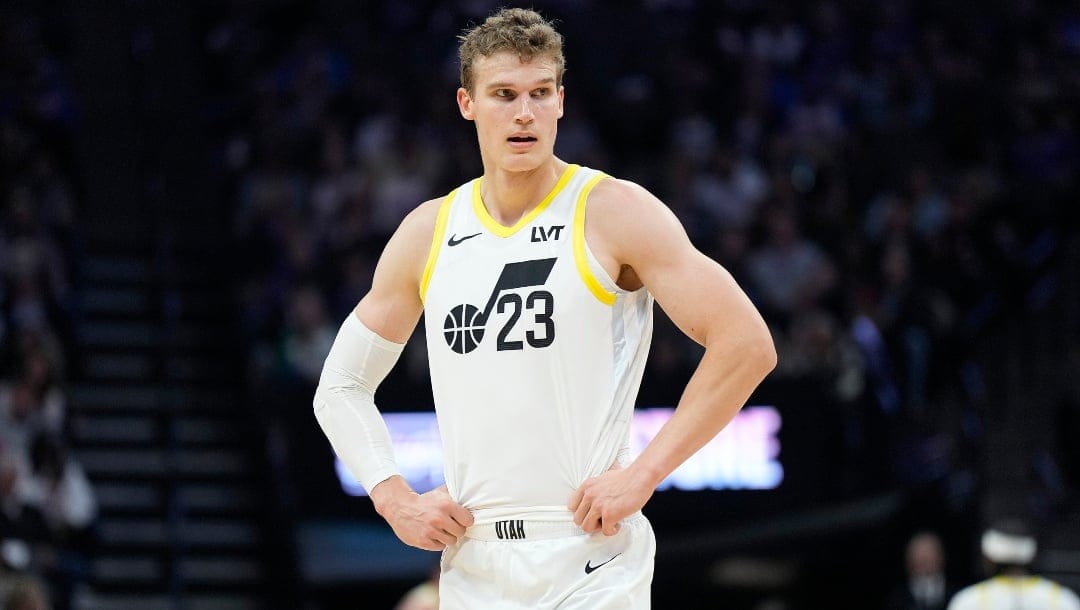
x: 744, y: 456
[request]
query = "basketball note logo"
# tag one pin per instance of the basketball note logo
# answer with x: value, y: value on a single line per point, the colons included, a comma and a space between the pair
x: 464, y: 328
x: 465, y: 324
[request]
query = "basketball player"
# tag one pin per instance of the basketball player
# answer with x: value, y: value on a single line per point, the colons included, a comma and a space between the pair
x: 1009, y: 548
x: 537, y: 281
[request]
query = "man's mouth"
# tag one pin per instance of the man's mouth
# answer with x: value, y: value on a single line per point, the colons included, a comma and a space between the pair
x: 521, y: 139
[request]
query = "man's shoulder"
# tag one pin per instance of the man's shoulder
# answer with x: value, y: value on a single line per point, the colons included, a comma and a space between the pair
x: 420, y: 222
x: 408, y: 248
x: 968, y: 597
x: 1070, y: 600
x: 622, y: 202
x: 428, y: 210
x: 615, y: 189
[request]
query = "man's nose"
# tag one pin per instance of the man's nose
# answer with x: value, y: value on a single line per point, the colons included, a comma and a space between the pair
x: 524, y: 114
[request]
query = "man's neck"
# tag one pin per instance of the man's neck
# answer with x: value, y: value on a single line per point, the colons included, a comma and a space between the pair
x: 509, y: 196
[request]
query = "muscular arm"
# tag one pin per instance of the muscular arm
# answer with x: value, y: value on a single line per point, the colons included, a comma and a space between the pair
x: 392, y: 307
x: 642, y: 243
x: 344, y: 402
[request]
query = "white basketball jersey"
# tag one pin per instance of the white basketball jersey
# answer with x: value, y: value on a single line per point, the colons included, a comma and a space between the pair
x: 536, y: 355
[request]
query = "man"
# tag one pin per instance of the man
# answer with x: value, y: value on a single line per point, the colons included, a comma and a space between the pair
x: 926, y: 587
x: 1009, y: 548
x: 537, y: 281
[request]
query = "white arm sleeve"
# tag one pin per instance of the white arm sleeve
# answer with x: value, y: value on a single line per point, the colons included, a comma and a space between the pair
x: 345, y: 401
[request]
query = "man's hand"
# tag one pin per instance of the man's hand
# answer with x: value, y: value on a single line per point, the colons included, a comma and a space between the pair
x: 602, y: 502
x: 431, y: 521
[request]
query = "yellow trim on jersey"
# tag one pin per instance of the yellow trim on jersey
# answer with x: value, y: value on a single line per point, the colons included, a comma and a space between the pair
x: 436, y: 242
x: 504, y: 231
x: 581, y: 260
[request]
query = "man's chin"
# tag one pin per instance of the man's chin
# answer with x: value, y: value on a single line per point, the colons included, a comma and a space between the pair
x: 525, y: 162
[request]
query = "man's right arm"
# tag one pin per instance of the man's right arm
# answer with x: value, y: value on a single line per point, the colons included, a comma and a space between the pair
x: 363, y: 353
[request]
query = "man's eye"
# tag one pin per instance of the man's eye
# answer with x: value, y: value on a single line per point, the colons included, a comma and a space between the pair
x: 541, y: 92
x: 504, y: 93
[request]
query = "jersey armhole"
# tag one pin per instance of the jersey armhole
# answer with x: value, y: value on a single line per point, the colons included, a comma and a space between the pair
x: 581, y: 260
x: 436, y: 242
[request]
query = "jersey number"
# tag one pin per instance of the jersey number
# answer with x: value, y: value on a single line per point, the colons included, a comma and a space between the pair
x: 542, y: 304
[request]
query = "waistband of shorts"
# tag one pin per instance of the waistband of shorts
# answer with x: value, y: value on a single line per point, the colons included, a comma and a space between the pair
x: 523, y: 529
x: 527, y: 529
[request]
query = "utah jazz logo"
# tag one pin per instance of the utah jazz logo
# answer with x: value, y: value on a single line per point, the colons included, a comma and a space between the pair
x: 465, y: 324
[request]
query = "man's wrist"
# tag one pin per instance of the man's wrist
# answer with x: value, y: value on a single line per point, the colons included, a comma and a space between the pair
x: 648, y: 476
x: 389, y: 493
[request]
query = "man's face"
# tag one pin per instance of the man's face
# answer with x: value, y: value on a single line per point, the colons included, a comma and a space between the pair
x: 925, y: 556
x: 516, y: 107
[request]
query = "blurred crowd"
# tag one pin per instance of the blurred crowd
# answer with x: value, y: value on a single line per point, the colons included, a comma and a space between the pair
x: 47, y: 506
x: 878, y: 176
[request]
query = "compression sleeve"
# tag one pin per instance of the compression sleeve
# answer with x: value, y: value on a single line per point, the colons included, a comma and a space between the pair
x: 345, y: 401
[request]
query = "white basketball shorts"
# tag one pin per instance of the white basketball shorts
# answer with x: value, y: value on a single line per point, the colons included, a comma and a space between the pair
x: 514, y: 564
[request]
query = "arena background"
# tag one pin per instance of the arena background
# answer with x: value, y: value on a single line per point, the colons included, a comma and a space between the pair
x: 194, y: 194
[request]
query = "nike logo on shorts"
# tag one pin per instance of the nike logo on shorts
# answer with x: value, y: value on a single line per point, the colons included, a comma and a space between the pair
x: 589, y: 568
x: 454, y: 241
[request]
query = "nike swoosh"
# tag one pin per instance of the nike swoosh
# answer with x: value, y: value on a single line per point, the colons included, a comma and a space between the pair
x: 454, y: 242
x: 589, y: 567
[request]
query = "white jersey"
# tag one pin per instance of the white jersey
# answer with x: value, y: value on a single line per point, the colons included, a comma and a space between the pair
x: 1015, y: 593
x: 536, y: 355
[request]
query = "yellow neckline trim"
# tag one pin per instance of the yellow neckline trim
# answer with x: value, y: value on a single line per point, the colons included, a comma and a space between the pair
x: 581, y: 259
x: 504, y: 231
x: 436, y: 242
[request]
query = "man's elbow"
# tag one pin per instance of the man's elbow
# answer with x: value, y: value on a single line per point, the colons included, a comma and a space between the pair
x: 322, y: 395
x: 762, y: 352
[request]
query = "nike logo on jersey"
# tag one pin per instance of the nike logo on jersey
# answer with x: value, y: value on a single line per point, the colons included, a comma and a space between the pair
x: 589, y: 568
x: 454, y: 241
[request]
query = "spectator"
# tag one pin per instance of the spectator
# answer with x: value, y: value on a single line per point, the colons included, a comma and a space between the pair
x: 308, y: 335
x: 60, y: 489
x: 926, y: 586
x: 60, y: 492
x: 38, y: 232
x: 1009, y: 547
x: 789, y: 273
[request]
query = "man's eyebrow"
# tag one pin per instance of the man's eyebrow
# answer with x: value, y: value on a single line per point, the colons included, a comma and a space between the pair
x: 505, y: 85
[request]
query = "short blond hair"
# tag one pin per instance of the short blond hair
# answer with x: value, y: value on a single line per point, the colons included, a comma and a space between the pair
x: 516, y: 30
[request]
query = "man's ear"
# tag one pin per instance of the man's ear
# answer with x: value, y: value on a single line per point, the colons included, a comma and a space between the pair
x: 465, y: 104
x: 562, y: 93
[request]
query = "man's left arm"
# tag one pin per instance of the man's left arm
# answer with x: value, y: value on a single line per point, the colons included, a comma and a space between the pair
x: 648, y: 245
